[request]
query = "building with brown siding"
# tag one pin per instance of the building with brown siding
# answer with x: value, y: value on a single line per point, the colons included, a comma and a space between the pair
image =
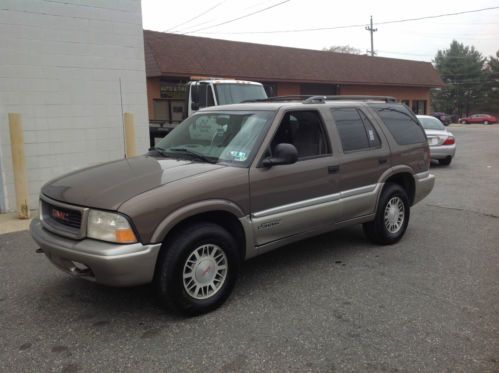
x: 172, y: 60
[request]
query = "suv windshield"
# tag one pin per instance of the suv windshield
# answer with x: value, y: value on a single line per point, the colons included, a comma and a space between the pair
x: 234, y: 93
x: 431, y: 123
x: 228, y: 137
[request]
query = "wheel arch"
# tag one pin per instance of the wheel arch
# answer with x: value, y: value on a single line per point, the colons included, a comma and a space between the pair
x: 404, y: 177
x: 224, y: 213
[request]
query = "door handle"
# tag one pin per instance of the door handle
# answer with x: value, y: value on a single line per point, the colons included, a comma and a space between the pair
x: 333, y: 169
x: 382, y: 160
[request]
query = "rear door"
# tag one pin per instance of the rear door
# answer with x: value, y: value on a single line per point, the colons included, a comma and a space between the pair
x: 291, y: 199
x: 364, y: 158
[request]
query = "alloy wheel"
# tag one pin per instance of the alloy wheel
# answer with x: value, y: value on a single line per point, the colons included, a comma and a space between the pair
x: 205, y: 271
x: 394, y: 214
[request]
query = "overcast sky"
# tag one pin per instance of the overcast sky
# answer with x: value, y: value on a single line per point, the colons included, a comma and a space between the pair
x: 419, y: 40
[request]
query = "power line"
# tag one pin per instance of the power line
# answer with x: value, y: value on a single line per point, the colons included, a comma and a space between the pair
x: 214, y: 19
x: 357, y: 25
x: 438, y: 15
x: 196, y: 16
x: 241, y: 17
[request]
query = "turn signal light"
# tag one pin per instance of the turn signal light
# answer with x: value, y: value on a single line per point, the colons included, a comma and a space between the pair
x: 125, y: 236
x: 450, y: 141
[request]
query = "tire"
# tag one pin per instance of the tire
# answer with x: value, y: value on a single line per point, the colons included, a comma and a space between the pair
x: 377, y: 231
x: 445, y: 161
x: 485, y: 122
x: 201, y: 291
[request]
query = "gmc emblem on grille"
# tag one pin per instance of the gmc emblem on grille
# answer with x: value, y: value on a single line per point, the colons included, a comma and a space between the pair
x: 60, y: 215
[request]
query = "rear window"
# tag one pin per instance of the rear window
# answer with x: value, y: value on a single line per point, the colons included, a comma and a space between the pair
x: 401, y: 124
x: 431, y: 123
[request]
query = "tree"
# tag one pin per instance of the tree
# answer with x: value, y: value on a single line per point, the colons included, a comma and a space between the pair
x: 492, y: 84
x: 342, y: 49
x: 462, y: 70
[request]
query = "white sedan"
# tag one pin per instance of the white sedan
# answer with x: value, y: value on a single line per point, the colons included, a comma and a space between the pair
x: 442, y: 142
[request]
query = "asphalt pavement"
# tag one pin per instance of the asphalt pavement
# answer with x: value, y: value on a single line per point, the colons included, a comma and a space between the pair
x: 334, y: 303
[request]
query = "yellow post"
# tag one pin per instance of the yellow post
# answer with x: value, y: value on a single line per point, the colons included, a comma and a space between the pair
x: 130, y: 144
x: 19, y: 164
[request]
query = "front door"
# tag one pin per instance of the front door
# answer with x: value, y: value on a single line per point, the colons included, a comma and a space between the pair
x: 291, y: 199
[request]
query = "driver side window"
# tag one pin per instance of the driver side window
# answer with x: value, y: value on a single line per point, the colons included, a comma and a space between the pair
x: 304, y: 130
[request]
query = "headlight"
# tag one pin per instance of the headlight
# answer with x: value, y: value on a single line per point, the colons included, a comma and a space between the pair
x: 110, y: 227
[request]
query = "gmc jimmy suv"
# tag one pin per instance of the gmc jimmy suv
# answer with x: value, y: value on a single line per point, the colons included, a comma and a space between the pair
x: 232, y: 182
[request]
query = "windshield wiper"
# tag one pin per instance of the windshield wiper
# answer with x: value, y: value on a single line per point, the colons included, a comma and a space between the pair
x: 161, y: 151
x: 194, y: 154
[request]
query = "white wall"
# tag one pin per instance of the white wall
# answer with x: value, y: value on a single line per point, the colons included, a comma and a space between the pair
x: 61, y: 62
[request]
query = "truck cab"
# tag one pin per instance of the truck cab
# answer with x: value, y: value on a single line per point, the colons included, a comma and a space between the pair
x: 206, y: 93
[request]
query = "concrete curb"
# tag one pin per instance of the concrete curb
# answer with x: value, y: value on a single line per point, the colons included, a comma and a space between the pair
x: 10, y: 223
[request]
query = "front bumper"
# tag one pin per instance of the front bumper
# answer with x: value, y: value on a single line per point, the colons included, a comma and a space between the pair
x: 424, y: 183
x: 442, y: 151
x: 102, y: 262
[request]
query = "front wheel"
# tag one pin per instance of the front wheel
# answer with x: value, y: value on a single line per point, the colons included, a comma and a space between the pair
x: 197, y: 269
x: 485, y: 122
x: 392, y: 216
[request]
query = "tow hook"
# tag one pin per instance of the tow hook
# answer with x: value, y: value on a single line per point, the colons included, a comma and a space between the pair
x: 39, y: 250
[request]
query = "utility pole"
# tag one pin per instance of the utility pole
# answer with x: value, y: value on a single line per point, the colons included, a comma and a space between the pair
x: 372, y: 31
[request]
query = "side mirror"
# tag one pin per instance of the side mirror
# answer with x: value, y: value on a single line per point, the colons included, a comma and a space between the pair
x: 284, y: 154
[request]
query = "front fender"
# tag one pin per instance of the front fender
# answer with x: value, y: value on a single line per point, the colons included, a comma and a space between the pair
x: 191, y: 210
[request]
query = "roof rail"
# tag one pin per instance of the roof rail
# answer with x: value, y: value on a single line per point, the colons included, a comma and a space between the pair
x: 314, y: 99
x: 280, y: 98
x: 361, y: 98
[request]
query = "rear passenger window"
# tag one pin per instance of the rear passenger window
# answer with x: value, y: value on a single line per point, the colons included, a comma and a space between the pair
x: 372, y: 135
x: 355, y: 130
x: 401, y: 124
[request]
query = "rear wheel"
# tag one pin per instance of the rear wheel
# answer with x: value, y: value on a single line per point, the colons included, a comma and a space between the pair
x: 445, y: 161
x: 392, y: 216
x: 198, y: 269
x: 485, y: 122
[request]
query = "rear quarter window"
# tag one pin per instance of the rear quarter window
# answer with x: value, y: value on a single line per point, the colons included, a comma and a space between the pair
x: 401, y: 123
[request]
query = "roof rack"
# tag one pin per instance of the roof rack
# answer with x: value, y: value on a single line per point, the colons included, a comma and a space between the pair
x: 281, y: 98
x: 314, y: 99
x: 361, y: 98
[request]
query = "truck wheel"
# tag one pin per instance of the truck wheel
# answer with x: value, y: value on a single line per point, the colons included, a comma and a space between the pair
x: 392, y: 216
x: 197, y: 269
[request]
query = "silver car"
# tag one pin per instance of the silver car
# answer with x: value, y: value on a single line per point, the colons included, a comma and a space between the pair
x: 442, y: 142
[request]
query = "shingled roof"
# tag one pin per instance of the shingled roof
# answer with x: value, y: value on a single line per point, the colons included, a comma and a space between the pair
x: 184, y: 56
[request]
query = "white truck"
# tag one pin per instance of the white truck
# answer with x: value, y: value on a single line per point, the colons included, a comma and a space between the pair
x: 205, y: 93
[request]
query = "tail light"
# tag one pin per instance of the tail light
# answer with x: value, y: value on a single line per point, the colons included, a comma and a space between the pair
x: 449, y: 141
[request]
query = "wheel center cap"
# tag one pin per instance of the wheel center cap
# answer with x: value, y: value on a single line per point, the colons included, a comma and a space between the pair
x: 393, y: 214
x: 205, y: 271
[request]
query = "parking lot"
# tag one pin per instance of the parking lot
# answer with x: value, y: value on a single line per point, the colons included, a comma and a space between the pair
x: 331, y: 303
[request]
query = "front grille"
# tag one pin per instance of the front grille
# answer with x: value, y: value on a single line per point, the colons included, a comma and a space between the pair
x: 70, y: 218
x: 63, y: 219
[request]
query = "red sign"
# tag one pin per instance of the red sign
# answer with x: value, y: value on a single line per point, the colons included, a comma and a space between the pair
x: 60, y: 215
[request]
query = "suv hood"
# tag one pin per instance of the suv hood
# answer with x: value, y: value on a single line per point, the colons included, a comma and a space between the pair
x: 108, y: 185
